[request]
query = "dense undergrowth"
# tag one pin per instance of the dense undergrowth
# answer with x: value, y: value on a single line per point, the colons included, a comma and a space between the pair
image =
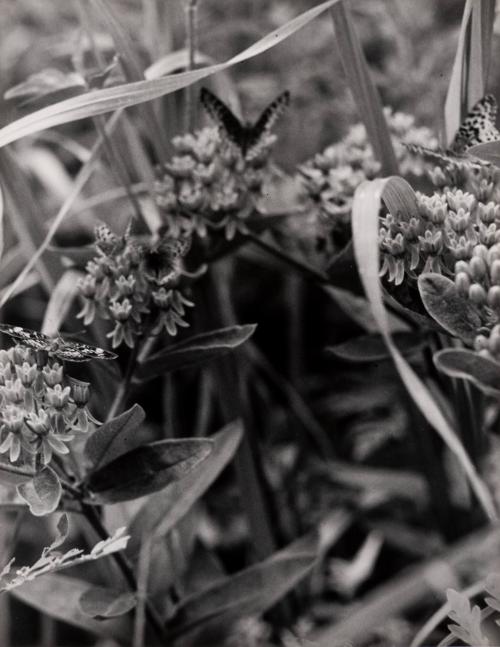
x: 250, y: 369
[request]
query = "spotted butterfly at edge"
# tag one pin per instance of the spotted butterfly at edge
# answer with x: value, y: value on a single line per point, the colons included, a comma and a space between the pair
x: 62, y: 348
x: 247, y: 136
x: 478, y: 127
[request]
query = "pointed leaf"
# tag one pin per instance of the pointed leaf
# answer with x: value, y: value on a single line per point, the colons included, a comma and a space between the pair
x: 59, y: 595
x: 101, y: 602
x: 372, y: 348
x: 146, y: 469
x: 250, y: 592
x: 163, y: 510
x: 115, y: 437
x: 42, y: 493
x: 469, y: 365
x: 446, y: 306
x: 195, y: 350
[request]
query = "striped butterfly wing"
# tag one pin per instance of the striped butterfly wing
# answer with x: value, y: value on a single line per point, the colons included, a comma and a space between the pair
x: 59, y: 347
x: 477, y: 128
x: 224, y: 117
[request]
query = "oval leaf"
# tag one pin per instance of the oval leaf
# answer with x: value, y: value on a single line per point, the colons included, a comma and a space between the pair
x: 466, y: 364
x: 147, y: 469
x: 250, y: 592
x: 58, y: 596
x: 195, y: 350
x: 372, y: 348
x: 42, y: 493
x: 163, y: 510
x: 115, y: 437
x: 446, y: 306
x: 100, y: 602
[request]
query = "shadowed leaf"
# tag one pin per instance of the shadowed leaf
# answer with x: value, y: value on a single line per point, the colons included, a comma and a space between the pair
x: 372, y: 348
x: 42, y: 493
x: 481, y: 371
x: 146, y: 469
x: 101, y: 602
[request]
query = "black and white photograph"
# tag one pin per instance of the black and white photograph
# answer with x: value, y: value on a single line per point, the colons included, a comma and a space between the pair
x: 249, y: 323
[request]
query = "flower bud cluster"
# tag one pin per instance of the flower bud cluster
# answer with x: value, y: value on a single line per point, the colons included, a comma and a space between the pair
x: 41, y: 408
x: 134, y: 286
x: 331, y: 177
x: 482, y: 181
x: 210, y: 183
x: 450, y: 226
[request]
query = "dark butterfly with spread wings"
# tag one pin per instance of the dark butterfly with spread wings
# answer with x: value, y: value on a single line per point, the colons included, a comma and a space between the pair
x: 65, y: 349
x: 163, y: 259
x: 246, y: 136
x: 477, y: 128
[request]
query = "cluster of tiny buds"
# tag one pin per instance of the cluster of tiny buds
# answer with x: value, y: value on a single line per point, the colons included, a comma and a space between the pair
x: 450, y: 226
x: 41, y: 409
x: 134, y: 285
x: 479, y: 278
x: 330, y: 179
x: 209, y: 183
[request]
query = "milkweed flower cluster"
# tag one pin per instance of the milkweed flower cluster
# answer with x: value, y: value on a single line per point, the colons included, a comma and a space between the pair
x: 210, y: 184
x: 449, y: 227
x: 481, y: 180
x: 40, y: 408
x: 330, y: 179
x: 134, y: 286
x: 478, y: 280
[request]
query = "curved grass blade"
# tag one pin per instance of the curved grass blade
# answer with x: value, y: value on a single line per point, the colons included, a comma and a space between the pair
x: 130, y: 94
x: 365, y: 226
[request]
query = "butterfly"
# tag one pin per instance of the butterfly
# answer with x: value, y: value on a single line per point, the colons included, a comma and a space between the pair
x: 57, y: 346
x: 246, y: 136
x: 162, y: 260
x: 477, y: 128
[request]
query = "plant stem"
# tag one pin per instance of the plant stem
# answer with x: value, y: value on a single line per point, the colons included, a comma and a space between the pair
x: 191, y: 38
x: 124, y: 386
x: 126, y: 570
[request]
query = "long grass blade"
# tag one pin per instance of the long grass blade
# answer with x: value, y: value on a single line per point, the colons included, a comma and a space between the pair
x: 365, y: 224
x: 99, y: 102
x: 81, y: 179
x: 360, y: 82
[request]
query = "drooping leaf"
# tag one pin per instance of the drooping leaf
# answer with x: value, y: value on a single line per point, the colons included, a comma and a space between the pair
x: 163, y: 510
x: 365, y: 224
x: 443, y: 302
x: 59, y: 595
x: 466, y: 364
x: 101, y: 602
x: 371, y: 348
x: 249, y: 592
x: 195, y: 350
x: 42, y: 493
x: 146, y: 469
x: 115, y: 437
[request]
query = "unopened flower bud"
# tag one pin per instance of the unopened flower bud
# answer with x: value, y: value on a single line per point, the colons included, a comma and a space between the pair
x: 477, y: 268
x: 80, y: 391
x: 477, y: 294
x: 494, y: 297
x: 462, y: 282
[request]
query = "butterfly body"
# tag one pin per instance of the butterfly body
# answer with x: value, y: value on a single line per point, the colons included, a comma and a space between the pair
x: 477, y: 128
x: 247, y: 136
x: 163, y: 259
x: 56, y: 346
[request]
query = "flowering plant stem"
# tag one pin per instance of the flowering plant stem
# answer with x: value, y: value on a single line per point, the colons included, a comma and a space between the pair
x: 92, y: 516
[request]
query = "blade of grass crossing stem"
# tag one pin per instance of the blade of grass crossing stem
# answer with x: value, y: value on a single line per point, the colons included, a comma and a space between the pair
x: 470, y: 66
x: 129, y: 94
x: 80, y: 181
x: 60, y: 302
x: 365, y: 225
x: 133, y: 72
x: 26, y: 220
x: 360, y: 82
